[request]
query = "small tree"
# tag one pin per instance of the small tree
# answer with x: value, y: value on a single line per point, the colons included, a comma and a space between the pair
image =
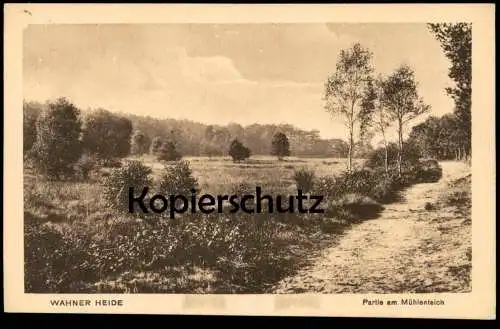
x: 177, y: 179
x: 403, y: 103
x: 57, y: 146
x: 238, y: 151
x: 456, y: 43
x: 156, y: 144
x: 168, y: 152
x: 106, y: 135
x: 31, y: 112
x: 280, y: 146
x: 375, y: 114
x: 140, y: 143
x: 346, y: 88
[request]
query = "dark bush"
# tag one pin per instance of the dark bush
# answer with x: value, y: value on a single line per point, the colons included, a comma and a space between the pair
x: 304, y: 179
x: 177, y: 180
x: 358, y: 206
x: 376, y: 159
x: 429, y: 171
x: 116, y: 186
x: 329, y: 187
x: 84, y: 166
x: 238, y: 151
x: 110, y: 163
x: 168, y: 152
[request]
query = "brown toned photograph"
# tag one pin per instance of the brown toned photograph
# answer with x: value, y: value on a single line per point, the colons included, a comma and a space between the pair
x: 372, y: 119
x: 249, y: 164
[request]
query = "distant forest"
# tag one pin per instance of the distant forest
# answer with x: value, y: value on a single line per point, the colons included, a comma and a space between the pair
x: 198, y: 139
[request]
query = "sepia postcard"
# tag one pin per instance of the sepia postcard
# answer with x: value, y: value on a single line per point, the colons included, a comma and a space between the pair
x: 300, y: 160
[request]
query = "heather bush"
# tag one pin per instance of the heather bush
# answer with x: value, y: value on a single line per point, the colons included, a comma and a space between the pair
x: 84, y: 166
x: 376, y: 158
x: 57, y: 146
x: 116, y: 186
x: 110, y: 163
x: 330, y: 187
x: 168, y: 152
x: 177, y: 179
x: 429, y: 171
x: 360, y: 207
x: 304, y: 179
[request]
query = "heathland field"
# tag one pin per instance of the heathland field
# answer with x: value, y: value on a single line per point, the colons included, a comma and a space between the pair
x: 75, y: 242
x: 69, y: 226
x: 220, y: 175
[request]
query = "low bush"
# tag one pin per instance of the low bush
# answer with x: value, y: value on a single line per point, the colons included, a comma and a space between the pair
x: 110, y: 163
x: 358, y: 206
x: 168, y: 152
x: 63, y: 257
x: 376, y: 159
x: 116, y: 185
x: 176, y: 180
x: 304, y: 179
x: 330, y: 187
x: 429, y: 171
x: 84, y: 166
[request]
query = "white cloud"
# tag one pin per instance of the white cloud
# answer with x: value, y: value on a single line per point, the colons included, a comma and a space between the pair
x: 207, y: 69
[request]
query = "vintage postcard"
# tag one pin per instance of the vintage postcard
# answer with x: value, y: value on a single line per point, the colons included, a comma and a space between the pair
x: 304, y: 160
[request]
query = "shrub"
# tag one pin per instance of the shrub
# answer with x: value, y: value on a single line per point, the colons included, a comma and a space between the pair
x: 116, y: 185
x: 167, y: 152
x: 329, y: 187
x: 156, y: 144
x: 358, y: 206
x: 106, y: 134
x: 177, y: 180
x: 110, y: 163
x: 386, y: 189
x: 376, y: 158
x: 56, y: 260
x: 304, y: 179
x: 57, y: 146
x: 243, y: 188
x: 360, y: 181
x: 429, y: 171
x: 238, y: 151
x: 84, y: 166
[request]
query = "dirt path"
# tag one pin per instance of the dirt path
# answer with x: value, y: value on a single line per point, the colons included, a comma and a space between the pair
x: 407, y: 249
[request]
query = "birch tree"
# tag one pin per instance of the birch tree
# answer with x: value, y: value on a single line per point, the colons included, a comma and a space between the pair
x: 402, y: 102
x: 346, y: 88
x: 376, y: 117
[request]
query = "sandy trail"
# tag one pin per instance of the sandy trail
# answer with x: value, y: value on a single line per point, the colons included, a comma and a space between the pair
x: 406, y: 249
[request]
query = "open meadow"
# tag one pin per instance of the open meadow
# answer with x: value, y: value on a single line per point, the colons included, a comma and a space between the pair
x: 248, y: 260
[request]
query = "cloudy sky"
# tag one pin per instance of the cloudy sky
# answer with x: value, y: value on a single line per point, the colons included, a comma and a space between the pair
x: 217, y: 74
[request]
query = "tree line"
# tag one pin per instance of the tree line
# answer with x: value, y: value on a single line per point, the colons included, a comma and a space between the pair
x: 370, y: 104
x: 103, y: 131
x: 60, y: 140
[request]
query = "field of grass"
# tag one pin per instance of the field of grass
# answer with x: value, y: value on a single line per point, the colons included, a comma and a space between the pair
x: 217, y: 253
x: 75, y: 242
x: 219, y: 175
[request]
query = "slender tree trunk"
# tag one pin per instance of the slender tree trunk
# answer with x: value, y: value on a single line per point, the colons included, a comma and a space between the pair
x: 351, y: 147
x: 386, y: 160
x: 400, y: 150
x: 386, y: 151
